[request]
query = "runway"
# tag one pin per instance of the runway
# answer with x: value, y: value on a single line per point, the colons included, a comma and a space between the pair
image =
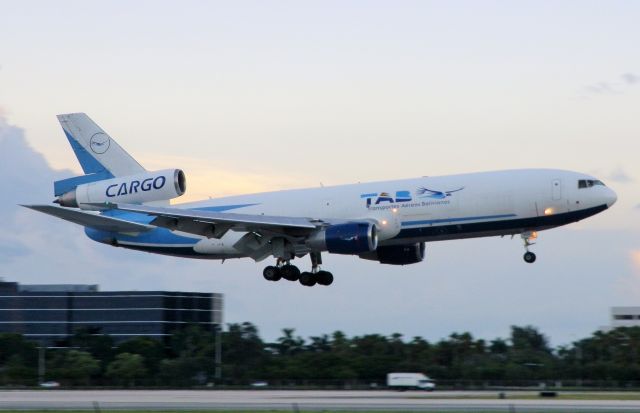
x: 294, y: 400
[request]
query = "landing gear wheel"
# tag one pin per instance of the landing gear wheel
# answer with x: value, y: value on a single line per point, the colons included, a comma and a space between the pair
x: 271, y: 273
x: 308, y: 279
x: 324, y: 277
x: 529, y: 257
x: 290, y: 272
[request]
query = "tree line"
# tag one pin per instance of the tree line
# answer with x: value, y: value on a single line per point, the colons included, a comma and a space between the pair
x: 187, y: 359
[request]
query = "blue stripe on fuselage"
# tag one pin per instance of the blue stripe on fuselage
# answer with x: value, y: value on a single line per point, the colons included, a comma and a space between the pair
x: 462, y: 219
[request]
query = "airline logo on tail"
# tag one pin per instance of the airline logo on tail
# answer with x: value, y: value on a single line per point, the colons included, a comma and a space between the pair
x: 99, y: 143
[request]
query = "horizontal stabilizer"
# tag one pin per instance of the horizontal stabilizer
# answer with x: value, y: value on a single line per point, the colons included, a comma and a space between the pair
x: 92, y: 220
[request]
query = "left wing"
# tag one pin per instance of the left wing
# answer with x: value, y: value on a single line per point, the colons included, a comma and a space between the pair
x: 92, y: 220
x: 216, y: 224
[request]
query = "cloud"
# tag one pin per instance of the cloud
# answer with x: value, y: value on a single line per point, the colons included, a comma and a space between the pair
x: 620, y: 175
x: 635, y: 258
x: 630, y: 78
x: 26, y: 178
x: 633, y: 282
x: 11, y: 248
x: 602, y: 88
x: 616, y: 87
x: 205, y: 180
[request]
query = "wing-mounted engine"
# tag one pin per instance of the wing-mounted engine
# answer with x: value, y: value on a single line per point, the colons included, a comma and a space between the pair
x: 133, y: 189
x: 388, y: 224
x: 350, y: 238
x: 397, y: 254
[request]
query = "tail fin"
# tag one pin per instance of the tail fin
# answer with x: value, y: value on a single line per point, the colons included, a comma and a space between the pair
x: 96, y: 151
x: 99, y: 155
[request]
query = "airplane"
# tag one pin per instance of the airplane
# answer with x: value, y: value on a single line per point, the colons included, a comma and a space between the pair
x: 122, y: 204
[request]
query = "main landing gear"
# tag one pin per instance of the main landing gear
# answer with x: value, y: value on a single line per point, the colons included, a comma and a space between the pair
x: 283, y: 269
x: 286, y: 271
x: 528, y: 238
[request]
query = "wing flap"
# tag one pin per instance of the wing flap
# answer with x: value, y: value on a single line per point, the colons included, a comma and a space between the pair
x: 216, y: 224
x: 92, y: 220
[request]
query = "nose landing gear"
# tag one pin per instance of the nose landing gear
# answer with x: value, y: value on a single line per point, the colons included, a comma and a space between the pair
x: 529, y: 257
x: 528, y: 238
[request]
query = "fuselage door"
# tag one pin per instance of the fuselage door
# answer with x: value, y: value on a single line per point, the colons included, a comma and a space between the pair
x: 556, y: 189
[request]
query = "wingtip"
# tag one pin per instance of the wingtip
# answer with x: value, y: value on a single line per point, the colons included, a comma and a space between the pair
x: 35, y: 207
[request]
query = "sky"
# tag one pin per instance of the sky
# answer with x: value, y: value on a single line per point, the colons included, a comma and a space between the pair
x: 267, y: 95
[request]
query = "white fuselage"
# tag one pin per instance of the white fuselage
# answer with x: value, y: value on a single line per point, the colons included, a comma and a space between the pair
x: 410, y: 210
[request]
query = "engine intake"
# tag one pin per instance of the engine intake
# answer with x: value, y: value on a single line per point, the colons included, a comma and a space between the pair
x: 397, y: 254
x: 351, y: 238
x: 133, y: 189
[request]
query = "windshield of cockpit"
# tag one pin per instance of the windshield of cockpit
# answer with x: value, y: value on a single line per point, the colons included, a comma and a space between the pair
x: 588, y: 183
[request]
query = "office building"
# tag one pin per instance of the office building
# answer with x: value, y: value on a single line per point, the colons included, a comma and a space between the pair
x: 51, y: 314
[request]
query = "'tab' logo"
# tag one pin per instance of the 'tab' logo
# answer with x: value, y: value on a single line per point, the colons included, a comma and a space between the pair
x: 400, y: 196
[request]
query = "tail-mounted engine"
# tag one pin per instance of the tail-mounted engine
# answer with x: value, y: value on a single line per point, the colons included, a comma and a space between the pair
x: 134, y: 189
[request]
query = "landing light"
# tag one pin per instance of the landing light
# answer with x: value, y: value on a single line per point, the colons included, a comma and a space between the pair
x: 384, y: 222
x: 394, y: 210
x: 548, y: 211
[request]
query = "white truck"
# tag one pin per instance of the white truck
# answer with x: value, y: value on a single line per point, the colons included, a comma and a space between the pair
x: 404, y: 381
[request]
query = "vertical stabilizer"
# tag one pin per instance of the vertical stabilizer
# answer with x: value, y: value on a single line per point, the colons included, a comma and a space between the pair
x: 96, y: 151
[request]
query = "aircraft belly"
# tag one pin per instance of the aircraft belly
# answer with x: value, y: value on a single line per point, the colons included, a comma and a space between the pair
x: 485, y: 228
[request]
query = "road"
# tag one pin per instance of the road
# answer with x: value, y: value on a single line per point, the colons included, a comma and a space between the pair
x: 289, y: 400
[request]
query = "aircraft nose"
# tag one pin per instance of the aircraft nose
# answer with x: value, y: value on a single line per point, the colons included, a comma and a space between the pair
x: 610, y: 197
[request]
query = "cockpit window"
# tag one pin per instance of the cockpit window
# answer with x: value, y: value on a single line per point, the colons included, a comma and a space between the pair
x: 588, y: 183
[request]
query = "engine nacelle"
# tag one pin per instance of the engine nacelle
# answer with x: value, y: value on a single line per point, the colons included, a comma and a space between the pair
x: 134, y: 189
x: 350, y: 238
x: 397, y: 254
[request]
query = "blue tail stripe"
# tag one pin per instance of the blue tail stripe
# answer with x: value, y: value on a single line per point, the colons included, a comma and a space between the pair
x: 90, y: 165
x: 65, y: 185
